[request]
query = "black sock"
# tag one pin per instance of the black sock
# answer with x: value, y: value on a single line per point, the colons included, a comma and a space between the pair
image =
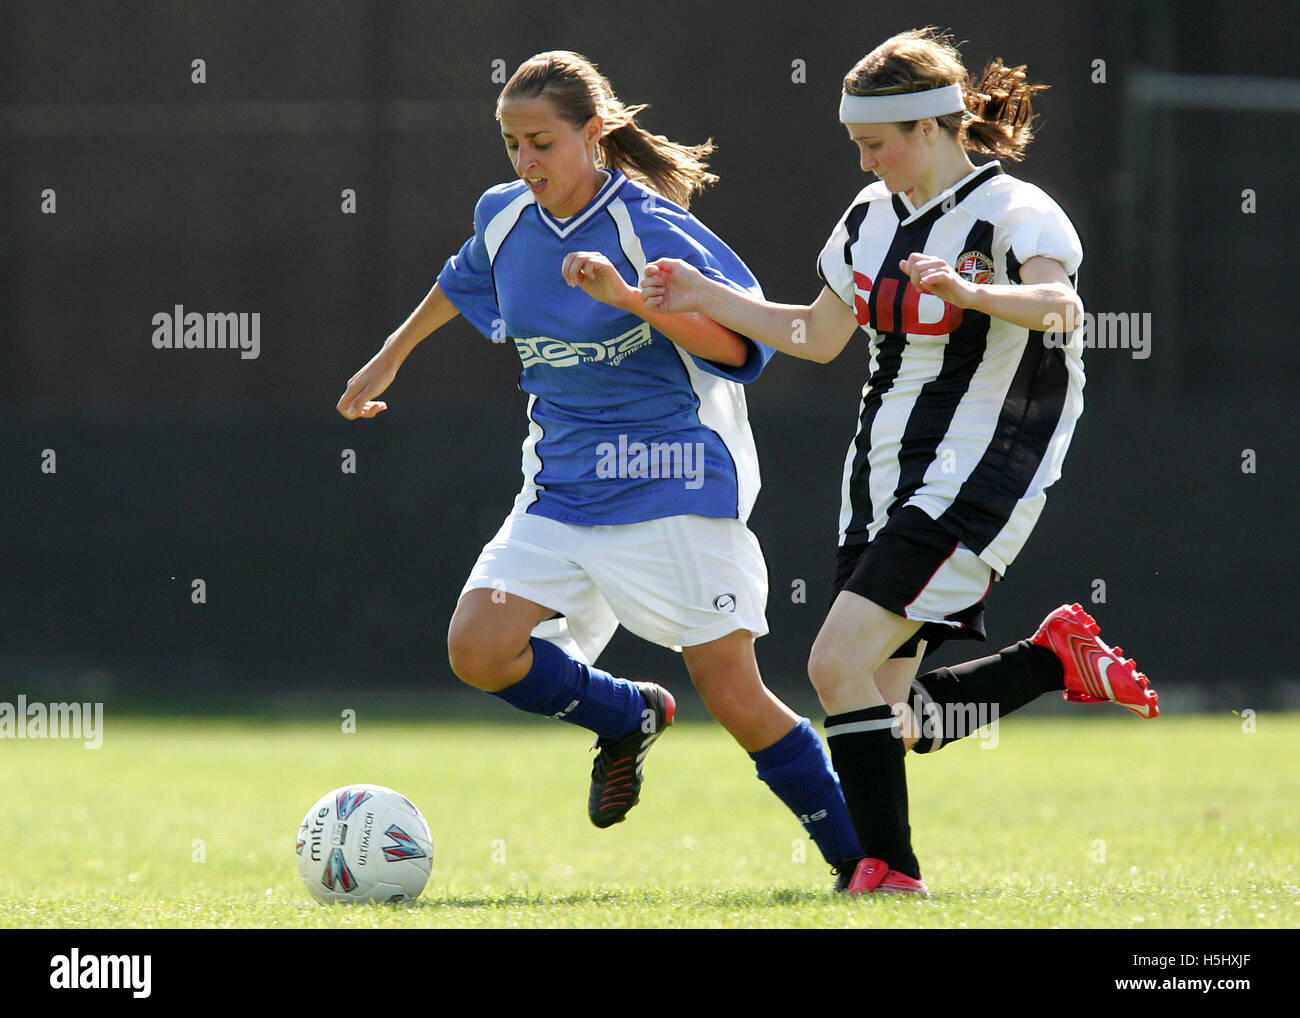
x: 951, y: 703
x: 868, y: 756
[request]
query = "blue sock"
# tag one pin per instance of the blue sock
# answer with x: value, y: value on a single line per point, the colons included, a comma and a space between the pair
x: 798, y: 770
x: 557, y: 686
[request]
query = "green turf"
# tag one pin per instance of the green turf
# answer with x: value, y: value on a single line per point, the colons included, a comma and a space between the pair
x: 1108, y: 821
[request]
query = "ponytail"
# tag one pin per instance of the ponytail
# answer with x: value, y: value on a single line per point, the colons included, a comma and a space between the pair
x: 1000, y: 112
x: 999, y: 115
x: 579, y: 92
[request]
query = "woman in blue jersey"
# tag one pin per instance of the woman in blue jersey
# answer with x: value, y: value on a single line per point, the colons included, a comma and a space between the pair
x: 639, y: 466
x: 963, y: 279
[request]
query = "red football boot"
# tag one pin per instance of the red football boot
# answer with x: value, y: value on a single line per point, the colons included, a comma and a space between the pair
x: 1094, y: 672
x: 875, y: 875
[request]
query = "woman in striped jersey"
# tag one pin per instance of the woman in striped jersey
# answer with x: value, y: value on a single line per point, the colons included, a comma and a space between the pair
x: 962, y: 277
x: 639, y: 465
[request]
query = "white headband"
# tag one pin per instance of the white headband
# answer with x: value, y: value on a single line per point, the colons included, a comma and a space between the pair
x: 901, y: 107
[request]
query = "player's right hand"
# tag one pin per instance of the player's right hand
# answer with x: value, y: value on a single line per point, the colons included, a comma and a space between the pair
x: 359, y: 399
x: 672, y: 285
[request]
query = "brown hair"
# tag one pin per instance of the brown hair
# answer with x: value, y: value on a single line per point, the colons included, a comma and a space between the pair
x: 999, y: 116
x: 579, y: 92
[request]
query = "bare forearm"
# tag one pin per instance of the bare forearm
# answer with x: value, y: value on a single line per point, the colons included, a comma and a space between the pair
x: 360, y: 400
x: 816, y: 333
x: 696, y: 334
x: 1041, y: 306
x: 435, y: 311
x: 773, y: 325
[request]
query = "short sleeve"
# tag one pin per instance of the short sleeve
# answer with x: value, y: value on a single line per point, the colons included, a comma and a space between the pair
x: 832, y: 265
x: 1037, y: 227
x: 466, y: 279
x: 738, y: 277
x: 674, y: 233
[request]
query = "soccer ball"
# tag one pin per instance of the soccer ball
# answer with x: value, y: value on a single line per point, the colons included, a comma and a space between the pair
x: 364, y: 843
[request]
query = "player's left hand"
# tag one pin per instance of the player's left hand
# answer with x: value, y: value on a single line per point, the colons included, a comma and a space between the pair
x: 933, y: 275
x: 596, y: 274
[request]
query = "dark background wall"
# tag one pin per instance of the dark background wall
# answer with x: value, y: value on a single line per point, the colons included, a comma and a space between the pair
x: 225, y: 196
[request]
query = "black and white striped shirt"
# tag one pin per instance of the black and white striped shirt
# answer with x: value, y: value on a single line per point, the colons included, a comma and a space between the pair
x: 964, y: 416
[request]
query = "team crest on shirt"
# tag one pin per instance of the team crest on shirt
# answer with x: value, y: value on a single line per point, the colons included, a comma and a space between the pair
x: 975, y: 267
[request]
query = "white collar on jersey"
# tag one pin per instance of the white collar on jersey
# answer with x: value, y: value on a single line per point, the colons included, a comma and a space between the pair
x: 564, y: 227
x: 913, y: 212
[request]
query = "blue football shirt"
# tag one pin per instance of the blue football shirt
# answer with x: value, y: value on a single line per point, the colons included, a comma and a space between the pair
x: 623, y: 424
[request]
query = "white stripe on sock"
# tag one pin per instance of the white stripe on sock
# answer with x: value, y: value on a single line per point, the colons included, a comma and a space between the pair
x: 860, y: 726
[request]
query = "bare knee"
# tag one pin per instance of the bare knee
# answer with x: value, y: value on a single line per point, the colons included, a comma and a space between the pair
x: 840, y: 683
x: 488, y: 639
x: 826, y: 673
x: 480, y: 658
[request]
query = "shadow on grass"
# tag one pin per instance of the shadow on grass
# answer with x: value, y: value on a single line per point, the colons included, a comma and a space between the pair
x: 629, y: 898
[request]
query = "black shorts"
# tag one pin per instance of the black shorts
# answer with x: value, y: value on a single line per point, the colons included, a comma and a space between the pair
x: 916, y: 569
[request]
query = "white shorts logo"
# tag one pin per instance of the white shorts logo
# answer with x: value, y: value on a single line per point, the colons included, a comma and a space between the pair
x: 725, y: 603
x: 560, y: 353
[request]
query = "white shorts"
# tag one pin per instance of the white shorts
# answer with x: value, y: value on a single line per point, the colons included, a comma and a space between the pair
x: 677, y: 582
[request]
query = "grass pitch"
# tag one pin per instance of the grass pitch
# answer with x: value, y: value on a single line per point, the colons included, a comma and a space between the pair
x: 1105, y: 821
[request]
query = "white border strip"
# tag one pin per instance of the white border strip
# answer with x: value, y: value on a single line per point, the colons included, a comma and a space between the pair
x: 861, y: 726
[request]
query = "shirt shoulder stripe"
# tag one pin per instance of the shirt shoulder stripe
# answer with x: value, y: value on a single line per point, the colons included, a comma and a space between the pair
x: 499, y: 226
